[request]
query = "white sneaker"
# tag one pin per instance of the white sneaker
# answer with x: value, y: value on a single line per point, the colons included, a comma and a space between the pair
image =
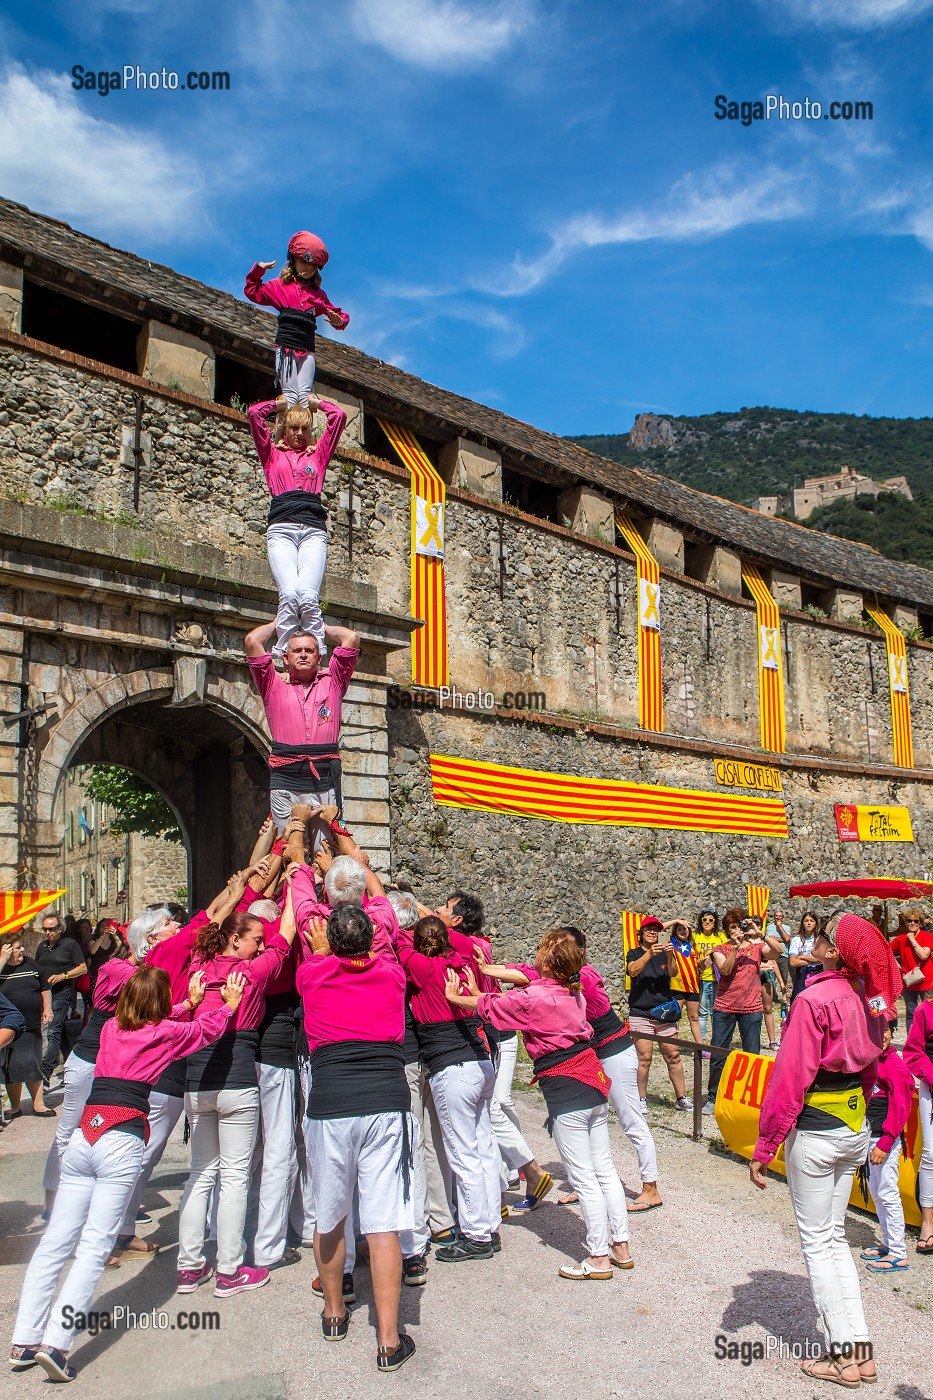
x: 709, y: 1106
x: 644, y: 1106
x: 683, y: 1104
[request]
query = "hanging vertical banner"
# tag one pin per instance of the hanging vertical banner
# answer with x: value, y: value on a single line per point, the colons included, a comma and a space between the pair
x: 897, y: 682
x: 650, y: 693
x: 758, y: 897
x: 631, y: 923
x: 770, y: 677
x: 428, y: 600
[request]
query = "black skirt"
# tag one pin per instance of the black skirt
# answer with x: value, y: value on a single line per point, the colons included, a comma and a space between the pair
x: 23, y: 1062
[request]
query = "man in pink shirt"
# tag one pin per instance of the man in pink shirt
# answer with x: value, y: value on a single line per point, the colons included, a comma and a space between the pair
x: 303, y: 711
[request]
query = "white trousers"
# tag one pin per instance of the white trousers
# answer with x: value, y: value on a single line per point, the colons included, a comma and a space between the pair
x: 462, y: 1095
x: 275, y: 1162
x: 79, y: 1076
x: 224, y: 1123
x: 582, y: 1139
x: 622, y: 1069
x: 164, y: 1113
x: 436, y: 1179
x: 282, y: 802
x: 820, y: 1168
x: 505, y: 1124
x: 295, y: 374
x: 925, y: 1175
x: 297, y: 556
x: 304, y: 1211
x: 363, y: 1154
x: 95, y: 1185
x: 886, y: 1194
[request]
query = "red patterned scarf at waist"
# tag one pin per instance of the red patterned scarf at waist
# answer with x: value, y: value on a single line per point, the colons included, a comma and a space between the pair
x: 98, y: 1119
x: 584, y: 1067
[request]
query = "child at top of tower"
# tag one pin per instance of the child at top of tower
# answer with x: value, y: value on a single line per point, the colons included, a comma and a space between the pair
x: 298, y: 297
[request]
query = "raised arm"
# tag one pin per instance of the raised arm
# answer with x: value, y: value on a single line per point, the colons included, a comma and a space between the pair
x: 341, y: 637
x: 255, y: 641
x: 259, y: 415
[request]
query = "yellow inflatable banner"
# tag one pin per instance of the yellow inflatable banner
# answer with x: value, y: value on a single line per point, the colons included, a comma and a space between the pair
x: 738, y: 1104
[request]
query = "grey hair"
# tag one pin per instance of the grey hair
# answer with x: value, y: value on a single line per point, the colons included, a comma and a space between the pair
x: 266, y: 909
x: 345, y: 882
x: 146, y: 923
x: 405, y: 906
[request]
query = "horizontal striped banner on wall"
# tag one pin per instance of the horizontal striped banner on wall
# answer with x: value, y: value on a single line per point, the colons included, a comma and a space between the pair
x: 898, y: 686
x: 558, y: 797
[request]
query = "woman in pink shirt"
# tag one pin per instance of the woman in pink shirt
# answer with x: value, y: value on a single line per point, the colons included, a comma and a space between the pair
x: 296, y: 533
x: 299, y: 299
x: 815, y: 1104
x: 222, y: 1100
x: 551, y: 1014
x: 104, y: 1158
x: 918, y: 1057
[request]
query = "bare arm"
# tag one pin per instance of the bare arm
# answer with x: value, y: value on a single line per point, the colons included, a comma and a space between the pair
x: 263, y: 841
x: 337, y: 637
x: 255, y: 641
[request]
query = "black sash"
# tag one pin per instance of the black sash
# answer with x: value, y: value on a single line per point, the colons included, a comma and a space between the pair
x: 89, y: 1043
x: 357, y: 1078
x: 609, y: 1024
x: 228, y: 1063
x: 876, y: 1111
x: 814, y: 1119
x: 562, y: 1093
x: 446, y: 1043
x: 297, y: 508
x: 297, y: 776
x: 296, y: 330
x: 119, y: 1093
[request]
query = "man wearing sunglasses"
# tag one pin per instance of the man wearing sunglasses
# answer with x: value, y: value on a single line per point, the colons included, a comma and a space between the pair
x: 62, y: 961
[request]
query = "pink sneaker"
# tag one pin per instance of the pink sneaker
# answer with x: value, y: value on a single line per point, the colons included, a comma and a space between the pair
x: 244, y: 1279
x: 190, y: 1280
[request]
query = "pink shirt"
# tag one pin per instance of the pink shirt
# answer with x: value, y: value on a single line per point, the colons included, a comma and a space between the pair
x: 550, y: 1016
x: 830, y: 1027
x: 146, y: 1053
x: 288, y: 296
x: 307, y: 906
x: 305, y: 714
x: 174, y: 955
x: 259, y: 972
x: 462, y: 943
x: 917, y: 1056
x: 284, y: 979
x: 427, y: 978
x: 111, y: 980
x: 897, y: 1083
x: 352, y: 999
x: 293, y: 469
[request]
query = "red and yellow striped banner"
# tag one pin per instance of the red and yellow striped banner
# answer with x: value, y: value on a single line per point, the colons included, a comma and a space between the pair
x: 428, y: 601
x: 650, y: 691
x: 558, y: 797
x: 770, y: 675
x: 19, y: 907
x: 757, y: 897
x: 899, y: 688
x: 686, y: 975
x: 631, y: 923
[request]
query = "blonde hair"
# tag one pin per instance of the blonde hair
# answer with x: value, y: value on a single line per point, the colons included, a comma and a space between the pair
x: 294, y: 418
x: 288, y: 274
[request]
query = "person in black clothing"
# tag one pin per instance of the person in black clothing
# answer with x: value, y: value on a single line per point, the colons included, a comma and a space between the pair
x: 650, y: 967
x: 24, y: 983
x: 102, y: 945
x: 62, y: 961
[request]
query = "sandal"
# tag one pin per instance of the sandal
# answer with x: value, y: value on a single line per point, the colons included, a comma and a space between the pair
x: 621, y: 1263
x: 638, y: 1207
x: 925, y: 1246
x: 876, y: 1252
x: 887, y: 1266
x: 125, y: 1243
x: 571, y: 1199
x: 834, y: 1372
x: 584, y: 1272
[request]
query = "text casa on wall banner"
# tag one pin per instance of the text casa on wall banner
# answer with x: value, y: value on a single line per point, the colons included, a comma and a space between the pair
x: 855, y: 823
x: 736, y: 773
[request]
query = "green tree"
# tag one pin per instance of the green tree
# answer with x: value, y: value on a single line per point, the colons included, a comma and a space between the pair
x: 137, y: 808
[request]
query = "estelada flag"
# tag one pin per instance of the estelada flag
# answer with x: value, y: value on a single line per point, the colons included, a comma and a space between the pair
x: 19, y: 907
x: 686, y: 975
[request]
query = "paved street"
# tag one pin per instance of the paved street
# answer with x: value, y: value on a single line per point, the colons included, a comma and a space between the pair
x: 719, y: 1258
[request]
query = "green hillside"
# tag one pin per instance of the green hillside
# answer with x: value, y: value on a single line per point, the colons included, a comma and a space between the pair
x: 766, y: 451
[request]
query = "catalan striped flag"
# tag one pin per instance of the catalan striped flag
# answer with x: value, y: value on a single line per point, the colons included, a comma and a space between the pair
x: 757, y: 897
x: 899, y: 688
x: 631, y: 923
x: 558, y: 797
x: 650, y: 691
x: 18, y: 908
x: 429, y: 666
x: 687, y: 976
x: 770, y: 675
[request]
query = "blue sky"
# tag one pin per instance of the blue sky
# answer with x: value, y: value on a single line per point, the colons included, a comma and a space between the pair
x: 530, y: 203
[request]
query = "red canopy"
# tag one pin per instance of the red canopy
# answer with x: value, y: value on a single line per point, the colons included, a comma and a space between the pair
x: 865, y: 889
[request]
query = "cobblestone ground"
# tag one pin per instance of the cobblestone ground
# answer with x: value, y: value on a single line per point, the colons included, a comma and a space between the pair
x: 720, y: 1259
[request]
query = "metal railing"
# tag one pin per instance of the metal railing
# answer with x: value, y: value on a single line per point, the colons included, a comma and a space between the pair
x: 698, y: 1050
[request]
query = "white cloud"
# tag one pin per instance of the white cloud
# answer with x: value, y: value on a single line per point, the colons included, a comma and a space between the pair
x: 442, y: 34
x: 57, y: 157
x: 696, y: 208
x: 849, y: 14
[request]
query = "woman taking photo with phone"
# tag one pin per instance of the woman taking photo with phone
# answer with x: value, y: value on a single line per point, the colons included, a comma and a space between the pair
x: 653, y: 1009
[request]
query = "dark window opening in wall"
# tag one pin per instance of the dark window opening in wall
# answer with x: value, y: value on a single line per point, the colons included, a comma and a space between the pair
x: 72, y: 325
x: 926, y: 622
x: 813, y: 597
x: 530, y: 495
x: 696, y: 560
x: 237, y: 385
x: 376, y: 442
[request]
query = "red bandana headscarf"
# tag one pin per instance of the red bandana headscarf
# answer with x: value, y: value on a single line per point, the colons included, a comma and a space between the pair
x: 865, y: 951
